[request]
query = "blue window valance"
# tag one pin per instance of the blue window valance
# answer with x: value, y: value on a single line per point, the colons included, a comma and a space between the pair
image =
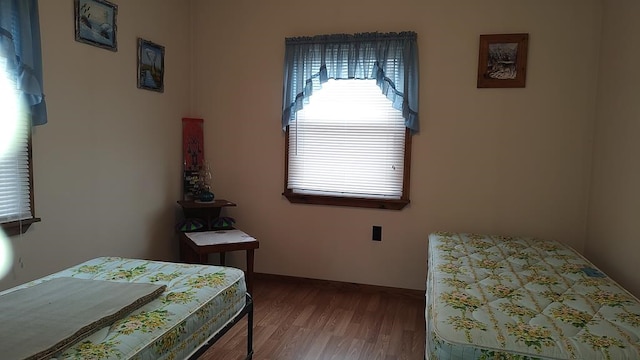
x: 389, y: 58
x: 21, y: 54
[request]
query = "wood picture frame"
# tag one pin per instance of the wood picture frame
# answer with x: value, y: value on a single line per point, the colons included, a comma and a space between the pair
x: 502, y: 61
x: 150, y: 66
x: 95, y: 23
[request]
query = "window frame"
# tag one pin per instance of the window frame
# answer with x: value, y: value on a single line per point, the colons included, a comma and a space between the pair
x: 389, y: 204
x: 18, y: 227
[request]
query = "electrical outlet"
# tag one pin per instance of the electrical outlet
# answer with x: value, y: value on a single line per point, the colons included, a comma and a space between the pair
x: 376, y: 234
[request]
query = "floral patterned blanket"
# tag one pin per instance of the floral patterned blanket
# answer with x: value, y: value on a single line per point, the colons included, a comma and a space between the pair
x: 496, y: 297
x: 198, y: 302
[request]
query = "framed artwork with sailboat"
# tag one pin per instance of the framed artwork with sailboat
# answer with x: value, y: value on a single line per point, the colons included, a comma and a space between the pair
x: 150, y: 65
x: 96, y: 23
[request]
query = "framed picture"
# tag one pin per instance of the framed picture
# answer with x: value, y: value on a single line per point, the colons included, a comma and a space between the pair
x: 193, y: 155
x: 96, y: 23
x: 150, y: 66
x: 502, y: 62
x: 193, y: 143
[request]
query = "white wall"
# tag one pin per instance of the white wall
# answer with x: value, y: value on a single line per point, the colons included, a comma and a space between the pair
x: 513, y: 161
x: 107, y: 166
x: 517, y: 161
x: 614, y: 217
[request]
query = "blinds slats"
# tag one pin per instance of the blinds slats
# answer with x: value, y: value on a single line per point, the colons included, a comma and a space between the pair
x: 348, y: 141
x: 15, y: 201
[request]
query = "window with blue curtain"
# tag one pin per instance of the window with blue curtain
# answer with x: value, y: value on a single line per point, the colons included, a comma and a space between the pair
x: 350, y: 106
x: 23, y: 106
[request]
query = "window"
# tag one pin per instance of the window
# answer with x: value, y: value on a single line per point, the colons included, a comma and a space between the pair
x: 348, y: 142
x: 348, y: 126
x: 14, y: 163
x: 21, y: 106
x: 15, y: 170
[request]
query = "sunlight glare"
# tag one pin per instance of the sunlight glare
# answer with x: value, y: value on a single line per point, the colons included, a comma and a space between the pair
x: 9, y: 110
x: 6, y: 255
x: 361, y: 108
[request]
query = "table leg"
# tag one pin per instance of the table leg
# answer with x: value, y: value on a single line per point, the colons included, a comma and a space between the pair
x: 250, y: 271
x: 187, y: 254
x: 183, y: 251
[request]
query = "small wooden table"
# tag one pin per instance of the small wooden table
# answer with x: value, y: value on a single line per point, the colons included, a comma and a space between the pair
x: 207, y: 211
x: 195, y: 247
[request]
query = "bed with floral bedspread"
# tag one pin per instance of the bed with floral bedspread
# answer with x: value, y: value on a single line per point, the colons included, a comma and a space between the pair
x: 198, y: 303
x: 497, y: 297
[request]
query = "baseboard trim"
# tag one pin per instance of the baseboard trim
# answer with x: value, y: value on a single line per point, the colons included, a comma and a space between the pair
x: 345, y: 286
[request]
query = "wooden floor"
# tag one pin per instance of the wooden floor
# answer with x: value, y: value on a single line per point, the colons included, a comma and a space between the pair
x: 310, y: 319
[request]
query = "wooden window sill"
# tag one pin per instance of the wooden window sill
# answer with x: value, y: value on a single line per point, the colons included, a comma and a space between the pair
x: 18, y: 227
x: 345, y: 201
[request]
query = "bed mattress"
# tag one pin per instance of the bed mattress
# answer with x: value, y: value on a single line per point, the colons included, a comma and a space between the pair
x: 198, y: 302
x: 496, y: 297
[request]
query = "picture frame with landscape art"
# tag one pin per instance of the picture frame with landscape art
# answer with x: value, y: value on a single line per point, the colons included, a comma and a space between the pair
x: 150, y: 66
x: 502, y: 62
x: 95, y: 23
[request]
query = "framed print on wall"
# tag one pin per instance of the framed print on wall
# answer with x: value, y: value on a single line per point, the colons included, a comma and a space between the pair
x: 193, y: 154
x: 95, y: 23
x: 502, y: 62
x: 150, y: 65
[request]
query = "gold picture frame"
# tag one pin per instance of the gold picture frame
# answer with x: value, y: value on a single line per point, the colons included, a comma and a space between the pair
x: 502, y: 62
x: 150, y: 65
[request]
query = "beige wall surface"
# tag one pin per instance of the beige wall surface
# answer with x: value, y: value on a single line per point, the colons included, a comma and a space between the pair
x: 614, y: 212
x: 108, y: 163
x: 506, y: 161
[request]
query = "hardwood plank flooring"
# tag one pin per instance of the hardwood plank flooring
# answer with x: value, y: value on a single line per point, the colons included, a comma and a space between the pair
x: 296, y: 319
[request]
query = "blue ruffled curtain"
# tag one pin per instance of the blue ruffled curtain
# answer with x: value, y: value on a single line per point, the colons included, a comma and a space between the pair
x: 20, y: 46
x: 390, y: 58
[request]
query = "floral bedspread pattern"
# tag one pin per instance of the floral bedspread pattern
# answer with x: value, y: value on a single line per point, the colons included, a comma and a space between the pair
x: 199, y: 300
x: 497, y: 297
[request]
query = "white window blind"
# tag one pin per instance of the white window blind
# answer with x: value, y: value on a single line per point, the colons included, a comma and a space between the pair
x: 15, y: 202
x: 348, y: 141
